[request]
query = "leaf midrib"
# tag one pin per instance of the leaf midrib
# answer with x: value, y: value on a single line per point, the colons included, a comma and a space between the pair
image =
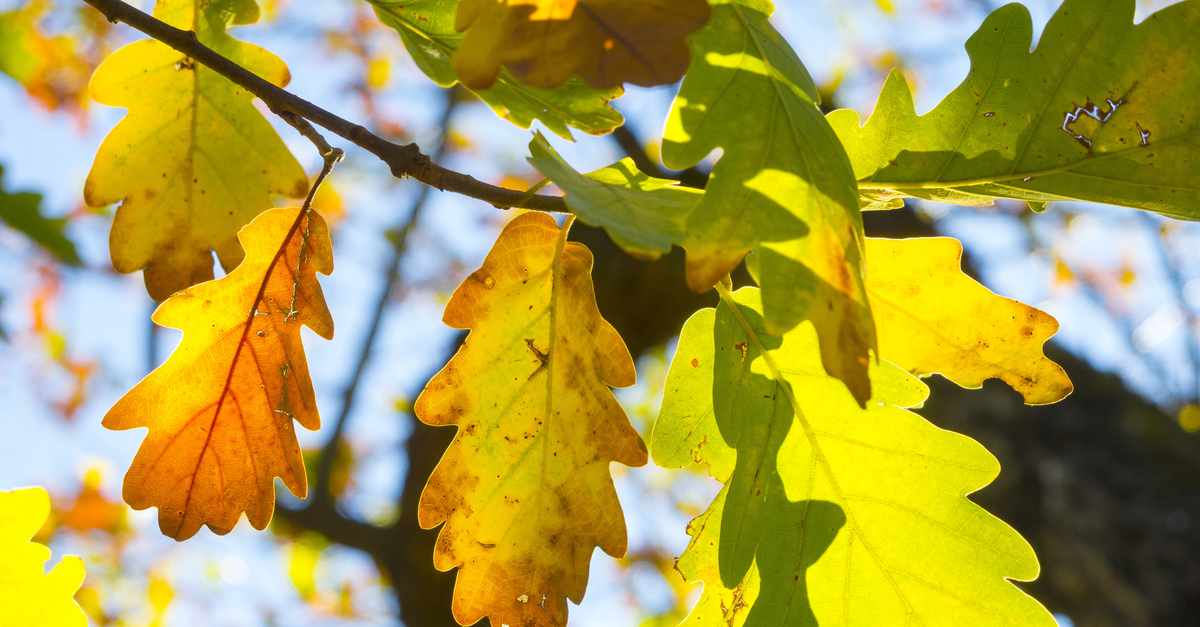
x: 996, y: 179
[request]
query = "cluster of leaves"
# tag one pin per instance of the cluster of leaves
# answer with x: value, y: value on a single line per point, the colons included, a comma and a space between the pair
x: 839, y: 506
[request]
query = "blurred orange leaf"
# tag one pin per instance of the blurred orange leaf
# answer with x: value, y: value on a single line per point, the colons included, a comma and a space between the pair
x: 50, y: 68
x: 220, y: 410
x: 91, y: 510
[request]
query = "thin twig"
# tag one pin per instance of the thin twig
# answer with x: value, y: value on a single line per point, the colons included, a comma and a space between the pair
x: 306, y: 129
x: 321, y: 495
x: 403, y: 160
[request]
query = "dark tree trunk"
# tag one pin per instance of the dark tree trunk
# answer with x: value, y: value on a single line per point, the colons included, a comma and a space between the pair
x: 1103, y: 485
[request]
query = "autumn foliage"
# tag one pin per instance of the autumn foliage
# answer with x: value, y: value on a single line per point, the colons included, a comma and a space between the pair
x: 838, y: 505
x: 525, y: 490
x: 222, y: 410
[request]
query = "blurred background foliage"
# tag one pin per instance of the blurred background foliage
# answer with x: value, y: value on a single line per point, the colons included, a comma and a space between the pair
x: 1105, y: 485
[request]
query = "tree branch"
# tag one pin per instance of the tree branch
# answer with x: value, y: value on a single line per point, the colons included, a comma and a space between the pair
x: 326, y: 521
x: 406, y: 160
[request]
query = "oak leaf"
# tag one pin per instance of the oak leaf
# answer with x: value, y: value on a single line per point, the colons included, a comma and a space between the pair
x: 1101, y: 110
x: 524, y: 489
x: 605, y: 42
x: 220, y: 410
x: 784, y: 186
x: 30, y: 597
x: 194, y: 161
x: 930, y: 317
x: 426, y: 27
x: 831, y: 513
x: 643, y: 215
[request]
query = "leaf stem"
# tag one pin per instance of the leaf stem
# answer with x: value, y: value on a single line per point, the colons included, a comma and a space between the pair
x: 530, y: 193
x: 329, y: 452
x: 997, y: 179
x: 403, y: 160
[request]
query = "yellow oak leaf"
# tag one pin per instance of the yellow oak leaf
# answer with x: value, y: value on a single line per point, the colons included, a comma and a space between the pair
x: 220, y: 410
x: 605, y: 42
x: 525, y: 489
x: 930, y: 317
x: 28, y: 596
x: 194, y: 161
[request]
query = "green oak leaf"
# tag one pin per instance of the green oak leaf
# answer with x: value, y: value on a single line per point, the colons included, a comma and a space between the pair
x: 784, y: 186
x: 831, y: 514
x: 427, y: 29
x: 642, y: 214
x: 20, y: 211
x: 1102, y: 110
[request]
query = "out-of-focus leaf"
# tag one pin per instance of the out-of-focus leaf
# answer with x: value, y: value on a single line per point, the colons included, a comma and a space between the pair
x: 29, y: 597
x: 91, y: 510
x: 525, y: 489
x: 784, y: 186
x: 931, y: 317
x: 645, y: 216
x: 18, y: 42
x: 160, y: 594
x: 605, y: 42
x: 49, y: 67
x: 427, y: 29
x: 831, y: 514
x: 194, y: 161
x: 1189, y: 418
x: 1102, y: 110
x: 303, y: 556
x: 20, y: 211
x: 221, y: 410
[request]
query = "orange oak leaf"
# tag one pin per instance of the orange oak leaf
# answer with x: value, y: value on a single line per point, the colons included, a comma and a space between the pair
x: 605, y: 42
x: 525, y: 489
x: 220, y: 410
